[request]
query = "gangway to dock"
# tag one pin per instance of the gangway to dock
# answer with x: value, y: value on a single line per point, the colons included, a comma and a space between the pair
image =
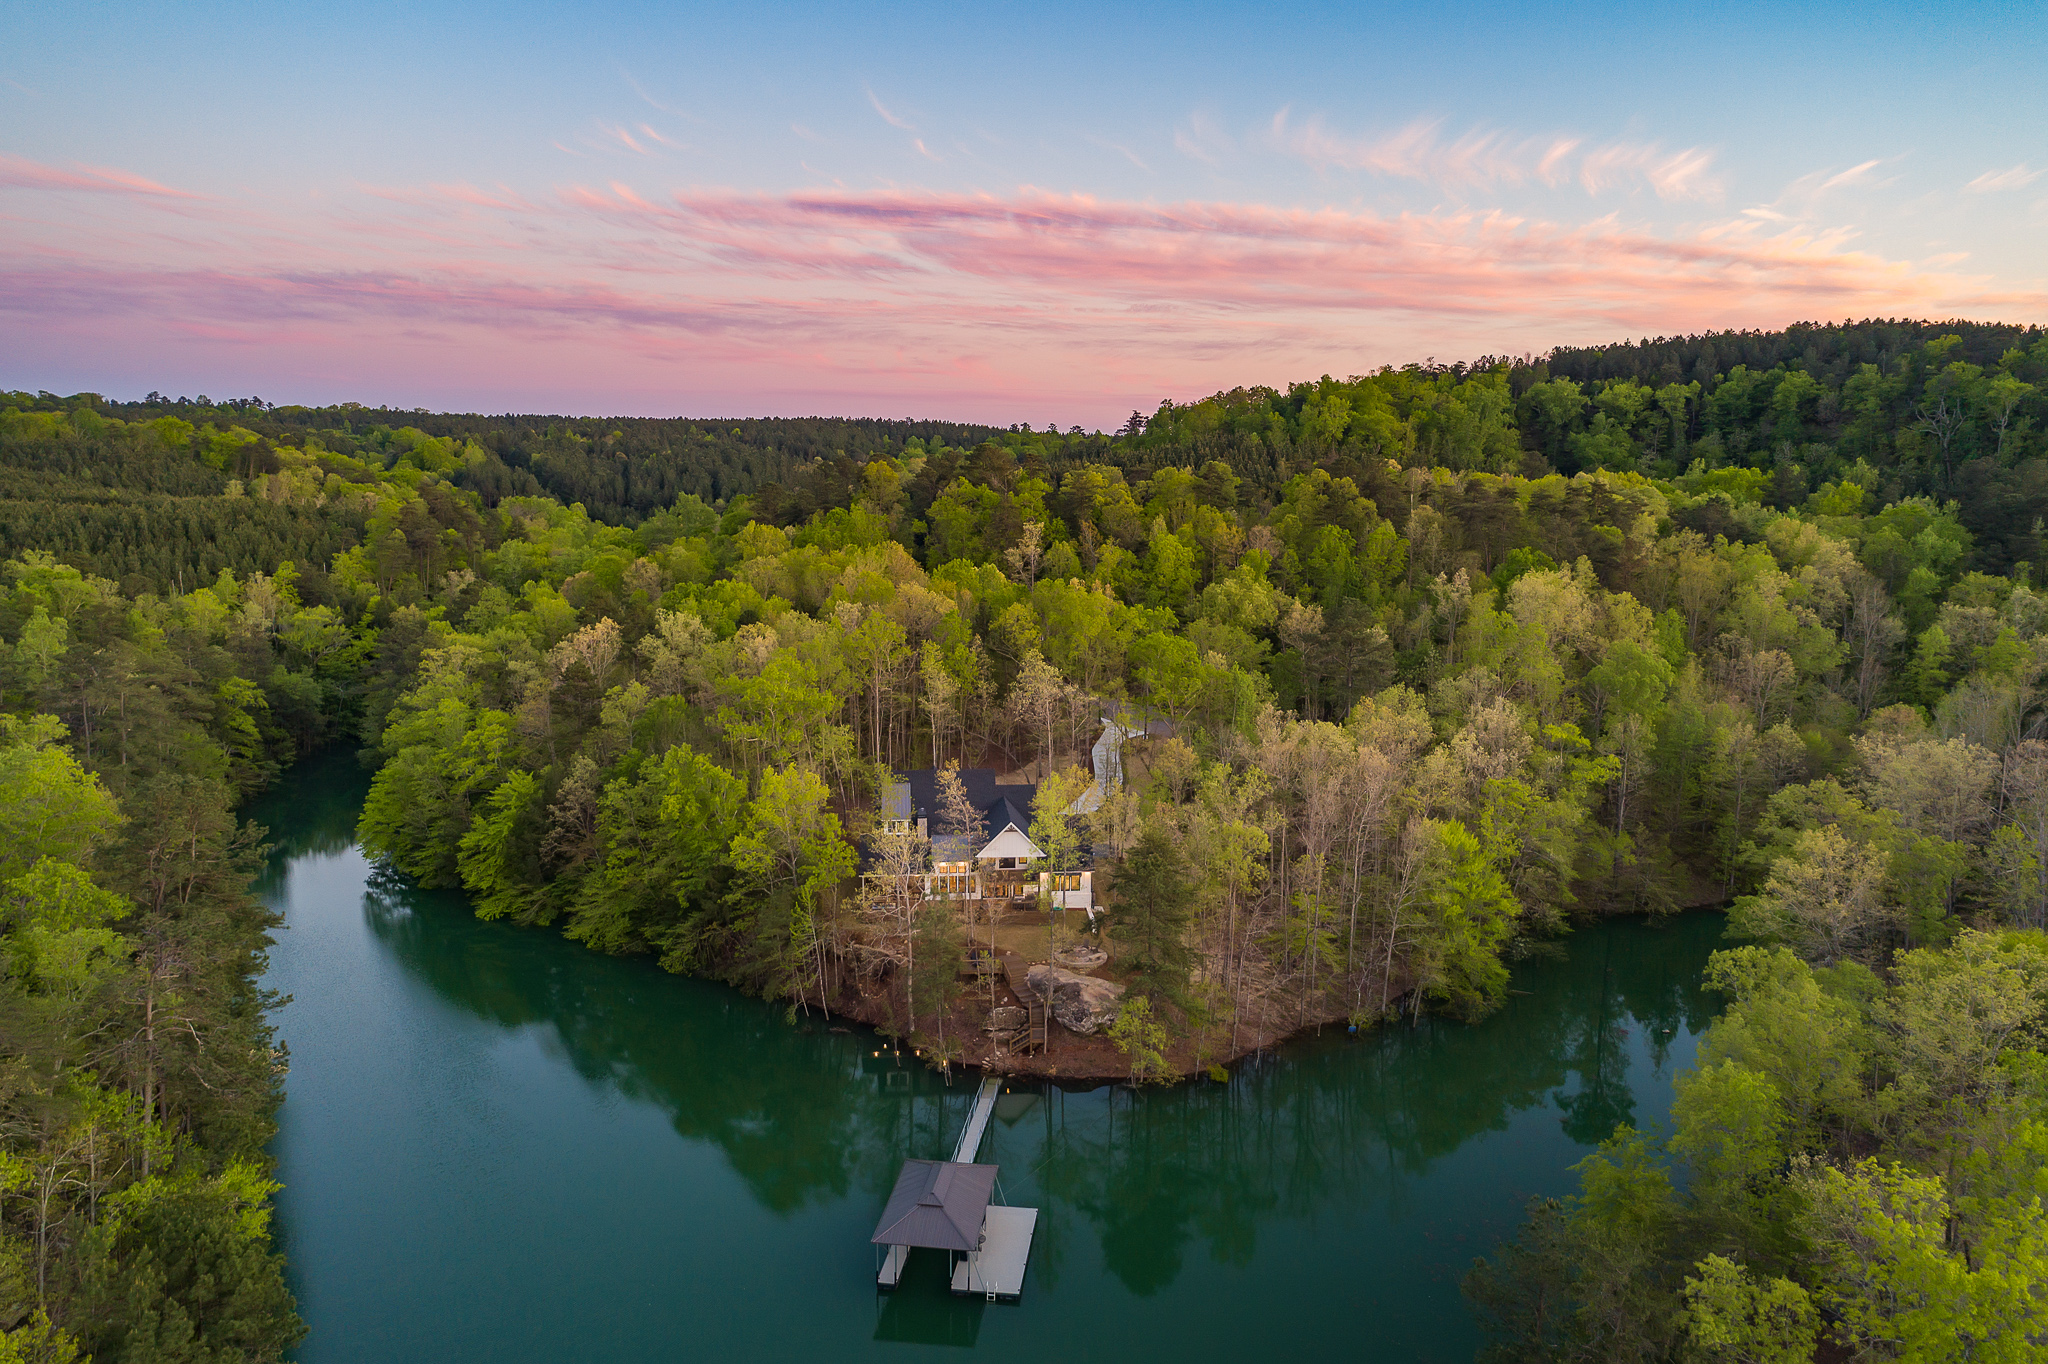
x: 977, y: 1121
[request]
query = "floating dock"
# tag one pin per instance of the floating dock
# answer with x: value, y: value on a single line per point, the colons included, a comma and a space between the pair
x: 996, y: 1271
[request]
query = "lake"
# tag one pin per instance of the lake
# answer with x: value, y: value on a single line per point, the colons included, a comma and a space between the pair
x: 500, y: 1146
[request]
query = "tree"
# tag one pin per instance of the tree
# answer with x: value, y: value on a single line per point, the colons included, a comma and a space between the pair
x: 181, y: 1271
x: 499, y: 856
x: 1557, y: 404
x: 1142, y: 1039
x: 790, y: 851
x: 1588, y: 1279
x: 666, y: 837
x: 1036, y: 698
x: 50, y: 806
x: 1732, y: 1318
x: 892, y: 899
x: 941, y: 698
x: 935, y: 967
x: 1895, y: 1285
x: 1150, y: 911
x: 39, y: 1341
x: 1826, y: 901
x: 1054, y: 826
x: 1469, y: 912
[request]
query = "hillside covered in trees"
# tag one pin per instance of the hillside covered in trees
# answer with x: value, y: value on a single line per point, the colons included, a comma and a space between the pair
x: 1452, y: 656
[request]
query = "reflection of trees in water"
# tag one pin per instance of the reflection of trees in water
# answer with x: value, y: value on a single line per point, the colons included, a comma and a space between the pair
x: 790, y: 1106
x: 1345, y: 1122
x: 803, y: 1117
x: 310, y: 813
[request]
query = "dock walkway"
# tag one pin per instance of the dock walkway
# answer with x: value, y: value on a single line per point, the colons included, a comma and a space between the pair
x: 977, y: 1121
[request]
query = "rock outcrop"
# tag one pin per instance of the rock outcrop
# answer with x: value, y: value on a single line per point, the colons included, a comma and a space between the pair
x: 1082, y: 1004
x: 1006, y: 1018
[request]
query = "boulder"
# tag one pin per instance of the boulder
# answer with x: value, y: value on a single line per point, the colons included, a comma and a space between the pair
x: 1006, y: 1018
x: 1082, y: 1004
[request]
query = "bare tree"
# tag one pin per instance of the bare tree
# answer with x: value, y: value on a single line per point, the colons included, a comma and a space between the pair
x: 1871, y: 632
x: 941, y: 699
x: 1037, y: 698
x: 1943, y: 420
x: 1023, y: 557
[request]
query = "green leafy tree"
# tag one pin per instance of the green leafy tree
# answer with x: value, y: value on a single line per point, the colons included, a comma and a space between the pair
x: 1469, y: 911
x: 1732, y: 1318
x: 789, y: 853
x: 1142, y: 1040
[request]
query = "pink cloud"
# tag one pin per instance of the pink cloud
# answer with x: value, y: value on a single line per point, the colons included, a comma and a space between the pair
x: 977, y: 305
x: 18, y: 172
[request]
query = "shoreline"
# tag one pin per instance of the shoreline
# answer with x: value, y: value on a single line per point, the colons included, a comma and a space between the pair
x: 1094, y: 1059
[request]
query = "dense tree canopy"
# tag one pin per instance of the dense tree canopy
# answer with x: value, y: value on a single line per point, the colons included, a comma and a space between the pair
x: 1448, y: 656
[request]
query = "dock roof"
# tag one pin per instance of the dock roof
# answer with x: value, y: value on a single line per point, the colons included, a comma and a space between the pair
x: 937, y: 1203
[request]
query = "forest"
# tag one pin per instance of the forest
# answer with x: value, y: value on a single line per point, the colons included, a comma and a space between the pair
x: 1449, y: 658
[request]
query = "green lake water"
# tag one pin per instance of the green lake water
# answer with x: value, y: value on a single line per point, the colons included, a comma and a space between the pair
x: 500, y: 1146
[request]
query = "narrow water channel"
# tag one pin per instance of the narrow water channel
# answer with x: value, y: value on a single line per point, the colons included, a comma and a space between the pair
x: 499, y: 1146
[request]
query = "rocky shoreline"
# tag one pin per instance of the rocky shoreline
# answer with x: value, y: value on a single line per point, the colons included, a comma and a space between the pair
x: 1070, y: 1054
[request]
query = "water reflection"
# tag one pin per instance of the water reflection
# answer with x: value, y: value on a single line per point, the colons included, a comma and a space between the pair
x: 807, y: 1117
x: 923, y: 1311
x: 793, y: 1108
x: 311, y: 812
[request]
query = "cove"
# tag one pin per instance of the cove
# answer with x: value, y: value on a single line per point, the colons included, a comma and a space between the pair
x: 500, y: 1146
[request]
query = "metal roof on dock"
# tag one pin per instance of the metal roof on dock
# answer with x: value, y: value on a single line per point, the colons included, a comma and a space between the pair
x: 937, y: 1203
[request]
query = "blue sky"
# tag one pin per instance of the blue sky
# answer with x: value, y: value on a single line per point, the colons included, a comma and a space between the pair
x: 988, y: 211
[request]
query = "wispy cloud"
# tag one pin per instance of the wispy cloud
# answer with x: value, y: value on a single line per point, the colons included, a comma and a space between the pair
x: 1203, y: 139
x: 892, y: 119
x: 616, y: 135
x: 2015, y: 178
x: 18, y: 172
x: 1855, y: 175
x: 1491, y: 156
x: 1800, y: 205
x: 652, y: 102
x: 1119, y: 148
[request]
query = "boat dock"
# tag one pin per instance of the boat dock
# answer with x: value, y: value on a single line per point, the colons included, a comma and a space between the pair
x: 947, y: 1205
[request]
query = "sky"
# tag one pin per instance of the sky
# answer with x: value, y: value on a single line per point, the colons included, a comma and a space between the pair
x: 1047, y: 213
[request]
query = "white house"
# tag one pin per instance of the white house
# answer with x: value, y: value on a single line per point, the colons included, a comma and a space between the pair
x: 997, y: 861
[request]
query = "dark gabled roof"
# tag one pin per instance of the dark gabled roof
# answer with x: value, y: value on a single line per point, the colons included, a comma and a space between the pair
x: 937, y: 1203
x: 982, y: 789
x: 956, y: 848
x: 1004, y: 813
